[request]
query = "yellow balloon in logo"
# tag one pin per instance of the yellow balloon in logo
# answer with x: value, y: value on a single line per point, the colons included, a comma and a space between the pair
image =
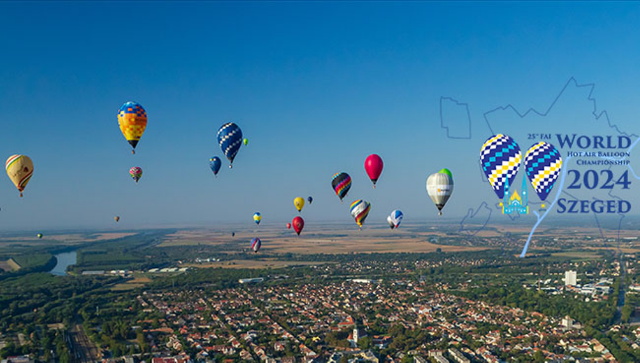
x: 299, y: 203
x: 20, y: 170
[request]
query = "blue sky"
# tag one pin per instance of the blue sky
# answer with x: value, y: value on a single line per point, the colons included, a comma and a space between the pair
x: 315, y: 86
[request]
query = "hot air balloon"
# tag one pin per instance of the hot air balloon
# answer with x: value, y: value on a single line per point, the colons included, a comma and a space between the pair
x: 136, y: 173
x: 245, y: 141
x: 309, y: 199
x: 359, y: 211
x: 214, y: 164
x: 116, y: 218
x: 440, y: 187
x: 341, y: 183
x: 257, y: 217
x: 373, y: 166
x: 233, y: 234
x: 256, y: 244
x: 132, y: 119
x: 39, y: 235
x: 298, y: 224
x: 19, y: 170
x: 298, y: 202
x: 396, y: 218
x: 542, y: 163
x: 500, y: 157
x: 288, y: 225
x: 230, y: 139
x: 391, y: 223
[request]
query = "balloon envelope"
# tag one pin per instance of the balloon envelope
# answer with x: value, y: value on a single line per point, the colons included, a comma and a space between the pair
x: 373, y: 166
x: 19, y: 169
x: 391, y: 223
x: 288, y: 225
x: 132, y: 119
x: 136, y: 173
x: 500, y: 158
x: 298, y: 202
x: 215, y: 163
x: 245, y: 141
x: 341, y: 183
x: 230, y: 139
x: 256, y: 244
x: 257, y: 217
x: 116, y: 218
x: 440, y: 187
x: 360, y: 210
x: 310, y: 199
x: 298, y: 224
x: 39, y: 235
x: 542, y: 163
x: 396, y: 218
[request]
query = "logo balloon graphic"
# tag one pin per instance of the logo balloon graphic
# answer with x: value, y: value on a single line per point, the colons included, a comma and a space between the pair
x: 298, y: 224
x: 500, y: 157
x: 136, y: 173
x: 373, y: 166
x: 440, y: 187
x: 341, y: 183
x: 215, y: 163
x: 543, y: 164
x: 359, y: 211
x: 132, y: 119
x: 19, y: 169
x: 230, y: 139
x: 256, y: 244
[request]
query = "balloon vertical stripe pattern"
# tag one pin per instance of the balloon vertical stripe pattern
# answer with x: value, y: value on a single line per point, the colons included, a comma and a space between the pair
x: 500, y: 157
x: 341, y: 183
x: 230, y: 139
x: 359, y: 211
x: 20, y: 170
x: 136, y: 173
x: 542, y: 163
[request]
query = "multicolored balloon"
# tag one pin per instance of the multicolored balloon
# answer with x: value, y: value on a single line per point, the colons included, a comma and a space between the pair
x: 19, y: 169
x: 256, y: 244
x: 257, y: 217
x: 136, y: 173
x: 341, y: 183
x: 230, y: 139
x: 132, y: 119
x: 440, y: 188
x: 298, y: 202
x: 391, y: 223
x: 542, y: 163
x: 359, y: 211
x: 215, y: 163
x: 395, y: 217
x: 298, y: 224
x: 500, y: 158
x: 373, y: 166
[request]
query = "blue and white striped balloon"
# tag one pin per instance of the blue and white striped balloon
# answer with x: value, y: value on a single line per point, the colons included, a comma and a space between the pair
x: 230, y: 140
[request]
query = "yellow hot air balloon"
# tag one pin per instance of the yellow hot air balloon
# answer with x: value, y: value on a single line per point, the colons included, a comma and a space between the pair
x: 299, y: 203
x: 132, y: 119
x: 20, y: 170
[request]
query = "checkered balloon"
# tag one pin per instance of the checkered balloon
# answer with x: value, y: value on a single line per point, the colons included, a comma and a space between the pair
x: 500, y: 157
x: 543, y: 164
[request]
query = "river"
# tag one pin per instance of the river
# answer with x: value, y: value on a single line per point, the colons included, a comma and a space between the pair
x: 65, y: 260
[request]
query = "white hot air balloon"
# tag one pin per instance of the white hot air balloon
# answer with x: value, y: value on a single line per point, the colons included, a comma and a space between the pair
x: 440, y: 187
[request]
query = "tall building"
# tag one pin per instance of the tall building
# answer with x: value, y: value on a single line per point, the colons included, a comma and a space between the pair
x: 570, y: 278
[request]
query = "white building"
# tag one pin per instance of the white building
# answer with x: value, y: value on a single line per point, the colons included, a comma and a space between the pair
x: 570, y: 278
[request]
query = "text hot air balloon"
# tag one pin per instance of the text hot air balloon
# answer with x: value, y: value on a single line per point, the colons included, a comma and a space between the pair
x: 542, y: 163
x: 136, y: 173
x: 256, y: 244
x: 373, y: 166
x: 500, y: 158
x: 215, y: 163
x: 132, y: 119
x: 359, y: 211
x: 19, y: 169
x: 298, y: 202
x: 230, y: 139
x: 341, y: 183
x: 257, y: 217
x: 440, y: 188
x: 298, y: 224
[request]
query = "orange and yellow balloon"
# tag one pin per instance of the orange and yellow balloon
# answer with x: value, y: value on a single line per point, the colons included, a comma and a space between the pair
x: 132, y: 119
x: 20, y: 170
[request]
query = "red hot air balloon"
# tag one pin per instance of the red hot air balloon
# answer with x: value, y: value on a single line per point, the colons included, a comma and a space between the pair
x: 288, y: 225
x: 373, y: 166
x: 298, y: 224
